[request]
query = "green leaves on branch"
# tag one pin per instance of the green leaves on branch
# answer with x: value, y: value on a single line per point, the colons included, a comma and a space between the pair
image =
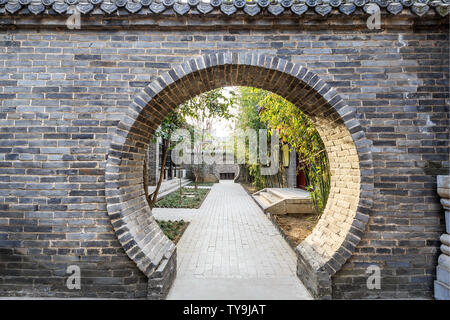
x: 294, y: 127
x: 249, y: 119
x: 207, y: 106
x: 204, y: 107
x: 298, y: 131
x: 172, y: 122
x: 261, y: 109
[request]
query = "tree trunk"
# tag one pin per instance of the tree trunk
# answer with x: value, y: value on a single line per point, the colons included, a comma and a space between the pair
x: 154, y: 195
x: 181, y: 191
x: 196, y: 175
x: 145, y: 173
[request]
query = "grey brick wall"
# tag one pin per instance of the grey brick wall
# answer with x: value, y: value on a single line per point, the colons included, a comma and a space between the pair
x: 62, y: 94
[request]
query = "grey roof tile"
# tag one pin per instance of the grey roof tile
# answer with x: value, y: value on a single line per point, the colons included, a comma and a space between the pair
x: 227, y: 7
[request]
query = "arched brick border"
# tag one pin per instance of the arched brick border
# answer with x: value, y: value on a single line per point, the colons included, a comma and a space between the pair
x: 339, y: 230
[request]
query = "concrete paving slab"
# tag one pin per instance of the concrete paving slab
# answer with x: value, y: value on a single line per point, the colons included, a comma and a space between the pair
x: 232, y: 251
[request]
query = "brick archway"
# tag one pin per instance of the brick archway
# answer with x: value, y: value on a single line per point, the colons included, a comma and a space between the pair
x: 341, y: 226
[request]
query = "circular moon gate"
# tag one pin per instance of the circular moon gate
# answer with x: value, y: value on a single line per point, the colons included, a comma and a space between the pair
x: 342, y: 224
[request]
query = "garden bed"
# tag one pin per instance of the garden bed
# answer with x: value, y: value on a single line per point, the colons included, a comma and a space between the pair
x: 201, y: 184
x: 295, y: 228
x: 173, y: 229
x: 190, y: 198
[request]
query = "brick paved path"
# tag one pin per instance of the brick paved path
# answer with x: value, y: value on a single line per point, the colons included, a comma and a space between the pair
x: 232, y: 251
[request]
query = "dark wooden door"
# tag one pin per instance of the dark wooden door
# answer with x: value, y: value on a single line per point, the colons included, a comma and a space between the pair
x: 227, y: 176
x: 301, y: 179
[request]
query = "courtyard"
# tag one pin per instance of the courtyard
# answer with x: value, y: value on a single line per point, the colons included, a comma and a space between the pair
x: 231, y: 249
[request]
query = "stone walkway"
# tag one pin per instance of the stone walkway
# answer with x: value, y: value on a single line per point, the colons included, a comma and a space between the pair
x: 232, y: 251
x: 174, y: 214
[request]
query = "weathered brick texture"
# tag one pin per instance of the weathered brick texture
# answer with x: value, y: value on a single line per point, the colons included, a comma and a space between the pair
x: 75, y: 124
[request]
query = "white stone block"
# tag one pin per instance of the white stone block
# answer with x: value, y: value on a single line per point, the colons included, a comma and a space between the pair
x: 443, y: 275
x: 441, y: 291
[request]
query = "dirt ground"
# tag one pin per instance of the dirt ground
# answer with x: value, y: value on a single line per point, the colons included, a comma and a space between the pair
x: 296, y: 227
x: 180, y: 232
x: 173, y: 229
x: 249, y: 187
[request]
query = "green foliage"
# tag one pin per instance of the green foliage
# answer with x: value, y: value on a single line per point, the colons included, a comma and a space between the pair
x: 190, y: 198
x: 209, y: 105
x: 298, y: 131
x: 318, y: 180
x: 259, y: 181
x: 201, y: 184
x: 293, y: 126
x: 204, y: 107
x: 249, y: 99
x: 249, y: 119
x: 261, y: 109
x: 172, y: 122
x: 202, y: 110
x: 172, y: 229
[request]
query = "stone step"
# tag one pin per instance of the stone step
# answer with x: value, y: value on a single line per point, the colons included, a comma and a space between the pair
x: 443, y: 275
x: 441, y: 291
x: 270, y: 197
x: 295, y: 194
x: 284, y: 201
x: 262, y: 202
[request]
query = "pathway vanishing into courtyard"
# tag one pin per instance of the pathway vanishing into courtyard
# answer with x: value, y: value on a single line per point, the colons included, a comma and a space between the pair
x: 232, y: 251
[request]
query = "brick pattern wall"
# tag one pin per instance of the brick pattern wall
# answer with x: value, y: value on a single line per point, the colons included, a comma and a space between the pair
x: 63, y: 94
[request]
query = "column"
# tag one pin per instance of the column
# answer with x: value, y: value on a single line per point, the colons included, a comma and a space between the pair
x: 442, y: 283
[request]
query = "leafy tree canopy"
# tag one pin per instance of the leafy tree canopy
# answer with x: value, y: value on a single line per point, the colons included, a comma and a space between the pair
x: 262, y: 109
